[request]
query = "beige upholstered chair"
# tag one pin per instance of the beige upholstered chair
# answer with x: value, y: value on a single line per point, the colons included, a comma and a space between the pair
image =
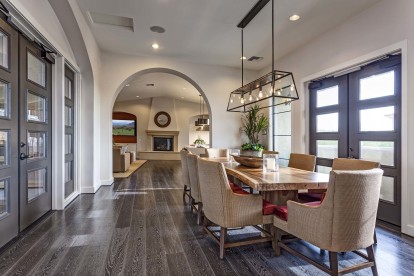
x: 344, y: 221
x: 227, y: 209
x: 304, y: 162
x: 217, y: 153
x: 186, y: 177
x: 346, y: 164
x: 120, y: 159
x: 197, y: 204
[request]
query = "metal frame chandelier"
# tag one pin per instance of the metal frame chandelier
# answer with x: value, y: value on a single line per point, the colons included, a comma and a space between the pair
x: 272, y: 89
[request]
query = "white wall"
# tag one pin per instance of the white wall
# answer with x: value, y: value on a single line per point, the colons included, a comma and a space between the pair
x: 41, y: 15
x: 378, y: 27
x: 180, y: 112
x: 215, y: 82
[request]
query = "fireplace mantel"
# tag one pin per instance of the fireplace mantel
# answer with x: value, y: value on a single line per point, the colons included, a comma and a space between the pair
x: 161, y: 133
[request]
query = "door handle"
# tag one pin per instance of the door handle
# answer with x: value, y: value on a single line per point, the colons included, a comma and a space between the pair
x: 24, y: 156
x: 350, y: 155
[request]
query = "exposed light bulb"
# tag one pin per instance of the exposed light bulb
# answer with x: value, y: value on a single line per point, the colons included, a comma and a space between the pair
x: 279, y: 92
x: 250, y: 97
x: 257, y: 98
x: 242, y: 100
x: 231, y: 100
x: 260, y: 93
x: 292, y: 87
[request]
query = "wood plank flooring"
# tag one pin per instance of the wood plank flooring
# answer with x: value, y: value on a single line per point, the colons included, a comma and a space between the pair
x: 139, y: 226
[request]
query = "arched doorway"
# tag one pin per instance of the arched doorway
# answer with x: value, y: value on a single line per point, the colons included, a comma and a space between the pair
x: 140, y: 96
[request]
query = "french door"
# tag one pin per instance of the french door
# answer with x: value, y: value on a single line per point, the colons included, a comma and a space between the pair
x: 25, y: 133
x: 35, y: 130
x: 9, y: 151
x: 358, y: 115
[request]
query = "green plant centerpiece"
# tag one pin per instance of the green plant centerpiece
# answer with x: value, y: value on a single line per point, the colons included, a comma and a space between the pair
x: 253, y: 123
x: 199, y: 142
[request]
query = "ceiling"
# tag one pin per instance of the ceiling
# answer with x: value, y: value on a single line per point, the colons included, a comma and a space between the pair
x: 205, y: 31
x: 165, y: 85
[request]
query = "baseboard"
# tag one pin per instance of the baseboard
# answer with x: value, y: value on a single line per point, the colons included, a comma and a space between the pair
x: 107, y: 182
x: 88, y: 190
x: 408, y: 230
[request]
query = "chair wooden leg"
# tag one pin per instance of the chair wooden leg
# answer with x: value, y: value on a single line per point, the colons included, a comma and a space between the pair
x: 375, y: 237
x: 199, y: 212
x: 190, y: 201
x: 333, y: 261
x: 371, y: 258
x: 277, y: 237
x: 184, y: 192
x: 223, y: 234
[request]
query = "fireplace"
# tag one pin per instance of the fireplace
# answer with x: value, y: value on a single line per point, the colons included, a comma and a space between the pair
x: 171, y: 135
x: 163, y: 143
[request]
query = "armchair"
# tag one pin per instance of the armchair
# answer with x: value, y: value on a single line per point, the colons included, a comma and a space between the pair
x: 344, y: 221
x: 120, y: 159
x: 186, y: 177
x: 229, y: 209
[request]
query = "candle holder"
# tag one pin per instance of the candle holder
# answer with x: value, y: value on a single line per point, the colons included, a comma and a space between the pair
x: 270, y: 162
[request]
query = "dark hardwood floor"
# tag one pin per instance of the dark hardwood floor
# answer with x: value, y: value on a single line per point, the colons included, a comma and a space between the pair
x: 139, y: 226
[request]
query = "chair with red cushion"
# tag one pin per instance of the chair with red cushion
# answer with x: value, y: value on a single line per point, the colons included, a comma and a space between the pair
x: 229, y: 209
x: 185, y: 176
x: 344, y: 221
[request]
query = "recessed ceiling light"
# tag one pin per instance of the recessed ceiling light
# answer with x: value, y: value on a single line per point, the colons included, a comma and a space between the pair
x: 157, y: 29
x: 127, y: 84
x: 294, y: 17
x: 137, y: 96
x: 243, y: 57
x: 182, y: 97
x: 155, y: 46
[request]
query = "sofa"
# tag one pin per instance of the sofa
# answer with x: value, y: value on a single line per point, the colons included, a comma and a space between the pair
x: 121, y: 160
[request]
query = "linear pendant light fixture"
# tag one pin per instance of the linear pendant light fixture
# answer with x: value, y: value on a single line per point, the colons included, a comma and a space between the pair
x: 202, y: 121
x: 272, y: 89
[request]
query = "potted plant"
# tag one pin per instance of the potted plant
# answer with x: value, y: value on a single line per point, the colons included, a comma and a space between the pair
x: 199, y: 142
x: 253, y: 123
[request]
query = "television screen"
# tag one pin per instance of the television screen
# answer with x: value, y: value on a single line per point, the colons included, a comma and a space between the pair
x: 123, y: 127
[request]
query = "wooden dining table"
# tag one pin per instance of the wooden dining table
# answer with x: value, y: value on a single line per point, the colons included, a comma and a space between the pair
x: 276, y: 187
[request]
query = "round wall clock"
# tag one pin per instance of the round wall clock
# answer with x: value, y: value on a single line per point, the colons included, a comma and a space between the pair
x: 162, y: 119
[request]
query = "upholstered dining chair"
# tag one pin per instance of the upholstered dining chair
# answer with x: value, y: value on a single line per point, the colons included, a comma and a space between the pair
x: 197, y: 203
x: 186, y: 177
x: 217, y: 153
x: 344, y: 221
x: 229, y: 209
x: 301, y: 161
x: 348, y: 164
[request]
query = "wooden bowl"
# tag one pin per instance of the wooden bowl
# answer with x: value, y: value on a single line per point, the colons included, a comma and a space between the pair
x: 249, y: 161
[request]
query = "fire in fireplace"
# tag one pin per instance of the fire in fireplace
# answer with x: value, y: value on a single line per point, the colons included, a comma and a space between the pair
x: 163, y: 143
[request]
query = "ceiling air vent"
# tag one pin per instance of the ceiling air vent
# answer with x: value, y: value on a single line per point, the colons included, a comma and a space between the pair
x: 150, y: 84
x: 255, y: 58
x: 112, y: 20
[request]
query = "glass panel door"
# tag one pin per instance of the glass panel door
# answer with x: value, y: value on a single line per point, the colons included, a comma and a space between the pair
x: 9, y: 177
x: 69, y: 131
x: 358, y: 115
x: 35, y: 134
x: 327, y: 124
x: 375, y: 128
